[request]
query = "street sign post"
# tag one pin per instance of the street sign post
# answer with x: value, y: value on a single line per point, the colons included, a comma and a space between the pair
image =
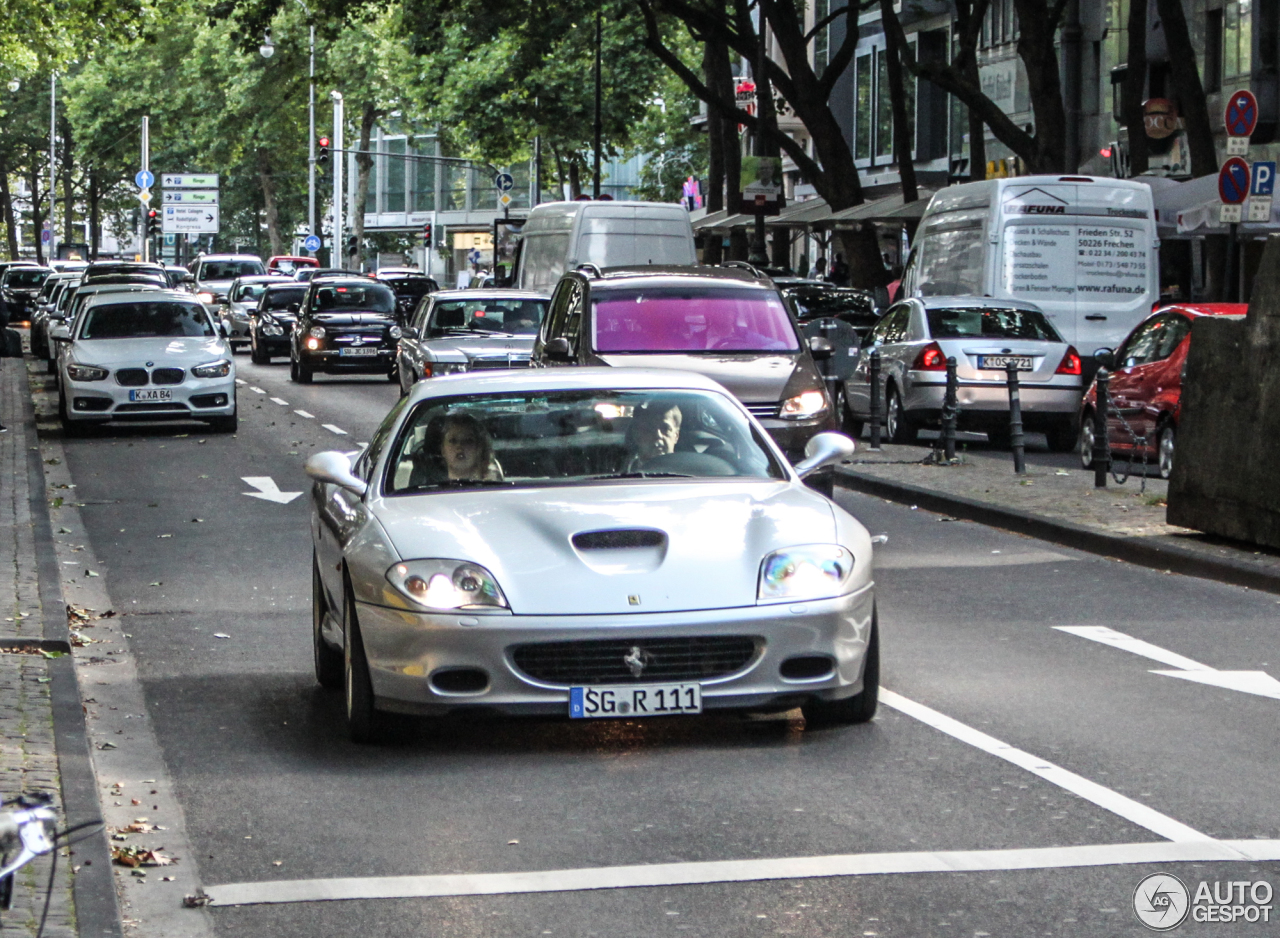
x: 1240, y: 117
x: 144, y: 179
x: 192, y: 196
x: 191, y: 219
x: 189, y: 181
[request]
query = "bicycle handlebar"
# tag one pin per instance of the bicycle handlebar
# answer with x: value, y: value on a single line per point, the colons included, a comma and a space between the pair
x: 33, y: 830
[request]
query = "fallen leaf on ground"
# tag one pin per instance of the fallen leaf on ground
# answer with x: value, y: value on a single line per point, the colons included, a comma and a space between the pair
x: 132, y: 856
x: 201, y: 898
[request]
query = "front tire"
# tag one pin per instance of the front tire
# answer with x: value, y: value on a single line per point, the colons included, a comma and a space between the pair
x: 299, y: 372
x: 70, y: 428
x: 848, y: 422
x: 257, y: 356
x: 1165, y: 438
x: 228, y: 424
x: 329, y: 662
x: 1087, y: 439
x: 861, y: 707
x: 899, y: 427
x: 363, y: 722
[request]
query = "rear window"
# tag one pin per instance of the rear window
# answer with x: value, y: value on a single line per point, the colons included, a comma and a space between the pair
x: 724, y: 319
x: 143, y: 320
x: 25, y: 279
x: 249, y: 291
x: 511, y: 316
x: 988, y: 322
x: 283, y: 299
x: 229, y: 270
x: 356, y: 297
x: 411, y: 287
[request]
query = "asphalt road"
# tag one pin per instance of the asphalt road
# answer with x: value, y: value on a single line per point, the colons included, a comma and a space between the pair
x: 272, y: 791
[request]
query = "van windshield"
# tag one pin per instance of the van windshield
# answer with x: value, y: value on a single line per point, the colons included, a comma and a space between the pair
x: 979, y: 322
x: 692, y: 319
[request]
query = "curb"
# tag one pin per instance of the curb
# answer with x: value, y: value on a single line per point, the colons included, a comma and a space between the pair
x: 1132, y: 550
x: 93, y: 885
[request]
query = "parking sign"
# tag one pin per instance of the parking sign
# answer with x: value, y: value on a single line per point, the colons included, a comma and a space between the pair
x: 1264, y: 178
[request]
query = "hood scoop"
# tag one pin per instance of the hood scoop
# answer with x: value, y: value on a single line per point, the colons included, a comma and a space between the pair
x: 621, y: 550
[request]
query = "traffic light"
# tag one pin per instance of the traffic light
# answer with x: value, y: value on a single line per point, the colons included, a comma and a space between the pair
x: 153, y: 222
x: 322, y: 155
x: 353, y: 245
x: 426, y: 235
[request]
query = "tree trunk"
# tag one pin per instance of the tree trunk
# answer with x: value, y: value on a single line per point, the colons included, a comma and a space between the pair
x: 69, y: 235
x: 95, y: 211
x: 1185, y: 76
x: 37, y: 211
x: 1135, y: 80
x: 715, y: 136
x: 1037, y: 47
x: 902, y: 142
x: 6, y: 210
x: 270, y: 205
x: 364, y: 165
x: 575, y: 180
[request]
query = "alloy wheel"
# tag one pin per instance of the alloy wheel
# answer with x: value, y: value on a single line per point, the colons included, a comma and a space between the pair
x: 1164, y: 448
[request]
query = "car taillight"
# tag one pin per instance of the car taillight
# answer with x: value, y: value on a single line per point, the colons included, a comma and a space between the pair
x: 1070, y: 363
x: 930, y: 359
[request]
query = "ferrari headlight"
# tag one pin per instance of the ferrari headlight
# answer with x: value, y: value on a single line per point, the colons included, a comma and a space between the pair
x: 317, y: 332
x: 813, y: 571
x: 86, y: 372
x: 805, y: 404
x: 218, y: 369
x: 447, y: 584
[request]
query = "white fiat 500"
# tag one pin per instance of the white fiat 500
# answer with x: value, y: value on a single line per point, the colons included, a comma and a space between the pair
x: 591, y: 542
x: 157, y: 355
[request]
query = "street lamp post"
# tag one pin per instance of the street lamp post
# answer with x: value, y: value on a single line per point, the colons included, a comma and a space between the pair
x: 53, y: 164
x: 311, y: 126
x: 338, y: 155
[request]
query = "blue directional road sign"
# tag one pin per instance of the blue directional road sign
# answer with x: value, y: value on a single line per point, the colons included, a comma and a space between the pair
x: 504, y: 182
x: 1233, y: 181
x: 311, y: 243
x: 144, y: 179
x: 1264, y: 177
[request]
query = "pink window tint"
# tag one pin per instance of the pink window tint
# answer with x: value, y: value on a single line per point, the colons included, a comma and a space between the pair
x: 666, y: 320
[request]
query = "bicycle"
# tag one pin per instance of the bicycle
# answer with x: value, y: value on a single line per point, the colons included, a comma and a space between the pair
x: 32, y: 830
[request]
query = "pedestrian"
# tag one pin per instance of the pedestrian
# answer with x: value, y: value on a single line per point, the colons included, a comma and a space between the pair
x: 839, y: 272
x: 819, y: 269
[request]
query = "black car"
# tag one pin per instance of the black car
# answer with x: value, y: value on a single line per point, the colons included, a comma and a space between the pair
x: 410, y: 288
x: 346, y: 325
x: 19, y: 287
x: 108, y: 271
x: 271, y: 322
x: 307, y: 274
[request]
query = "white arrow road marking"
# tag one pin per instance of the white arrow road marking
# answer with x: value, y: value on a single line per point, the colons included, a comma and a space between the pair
x: 276, y: 400
x: 332, y: 429
x: 303, y: 413
x: 268, y: 491
x: 1248, y: 682
x: 241, y: 381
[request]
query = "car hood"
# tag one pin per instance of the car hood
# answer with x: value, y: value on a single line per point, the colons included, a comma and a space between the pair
x: 459, y: 348
x: 178, y: 352
x: 353, y: 319
x: 717, y: 534
x: 751, y: 377
x: 220, y: 287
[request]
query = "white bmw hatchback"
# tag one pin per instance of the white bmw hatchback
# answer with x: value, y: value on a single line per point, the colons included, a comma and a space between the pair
x: 147, y: 356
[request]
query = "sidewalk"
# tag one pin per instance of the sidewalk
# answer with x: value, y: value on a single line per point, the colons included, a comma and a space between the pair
x: 43, y: 746
x: 1056, y: 501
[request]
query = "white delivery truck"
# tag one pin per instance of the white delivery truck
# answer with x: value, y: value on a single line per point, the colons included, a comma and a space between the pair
x: 559, y: 236
x: 1082, y: 248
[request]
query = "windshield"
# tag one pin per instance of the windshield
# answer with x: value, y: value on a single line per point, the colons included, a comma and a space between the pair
x: 568, y: 437
x: 229, y: 270
x: 354, y: 297
x: 24, y: 278
x: 283, y: 299
x: 99, y: 272
x: 248, y: 291
x: 692, y: 319
x: 979, y: 322
x: 145, y: 320
x: 852, y: 306
x: 511, y: 316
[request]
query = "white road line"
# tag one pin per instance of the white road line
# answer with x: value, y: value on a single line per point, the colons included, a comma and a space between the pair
x: 1258, y: 683
x: 738, y: 871
x: 303, y: 413
x: 276, y: 400
x: 256, y: 390
x: 241, y: 381
x: 1103, y: 797
x: 332, y: 429
x: 914, y: 561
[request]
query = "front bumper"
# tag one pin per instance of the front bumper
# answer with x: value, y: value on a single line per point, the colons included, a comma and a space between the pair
x: 333, y: 362
x: 197, y: 398
x: 406, y: 650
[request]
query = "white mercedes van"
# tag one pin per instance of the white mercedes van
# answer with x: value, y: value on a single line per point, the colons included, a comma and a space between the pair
x: 559, y: 236
x: 1082, y: 248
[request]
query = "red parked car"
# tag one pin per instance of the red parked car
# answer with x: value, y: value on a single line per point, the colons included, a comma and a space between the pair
x: 1146, y: 385
x: 289, y: 265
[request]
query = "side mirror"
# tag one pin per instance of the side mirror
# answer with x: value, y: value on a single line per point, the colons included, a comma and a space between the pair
x: 821, y: 348
x: 1105, y: 357
x: 824, y: 449
x: 335, y: 468
x: 409, y: 332
x: 559, y: 350
x: 187, y: 278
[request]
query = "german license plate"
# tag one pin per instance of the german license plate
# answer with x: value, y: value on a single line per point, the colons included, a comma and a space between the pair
x: 151, y: 395
x: 634, y: 700
x: 1001, y: 362
x: 358, y: 352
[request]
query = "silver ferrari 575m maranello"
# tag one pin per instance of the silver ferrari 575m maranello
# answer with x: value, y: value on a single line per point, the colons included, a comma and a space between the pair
x: 590, y: 542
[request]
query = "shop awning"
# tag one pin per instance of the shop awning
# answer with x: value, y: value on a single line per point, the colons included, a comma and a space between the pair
x: 800, y: 214
x: 891, y: 208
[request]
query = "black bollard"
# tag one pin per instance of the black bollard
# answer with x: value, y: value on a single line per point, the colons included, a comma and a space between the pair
x: 875, y: 400
x: 1101, y: 444
x: 949, y: 412
x: 1015, y: 420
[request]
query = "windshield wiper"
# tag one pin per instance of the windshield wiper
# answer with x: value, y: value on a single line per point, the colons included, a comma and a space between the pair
x: 640, y: 475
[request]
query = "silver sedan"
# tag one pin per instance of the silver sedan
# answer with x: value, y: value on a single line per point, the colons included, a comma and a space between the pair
x: 584, y: 543
x: 917, y: 336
